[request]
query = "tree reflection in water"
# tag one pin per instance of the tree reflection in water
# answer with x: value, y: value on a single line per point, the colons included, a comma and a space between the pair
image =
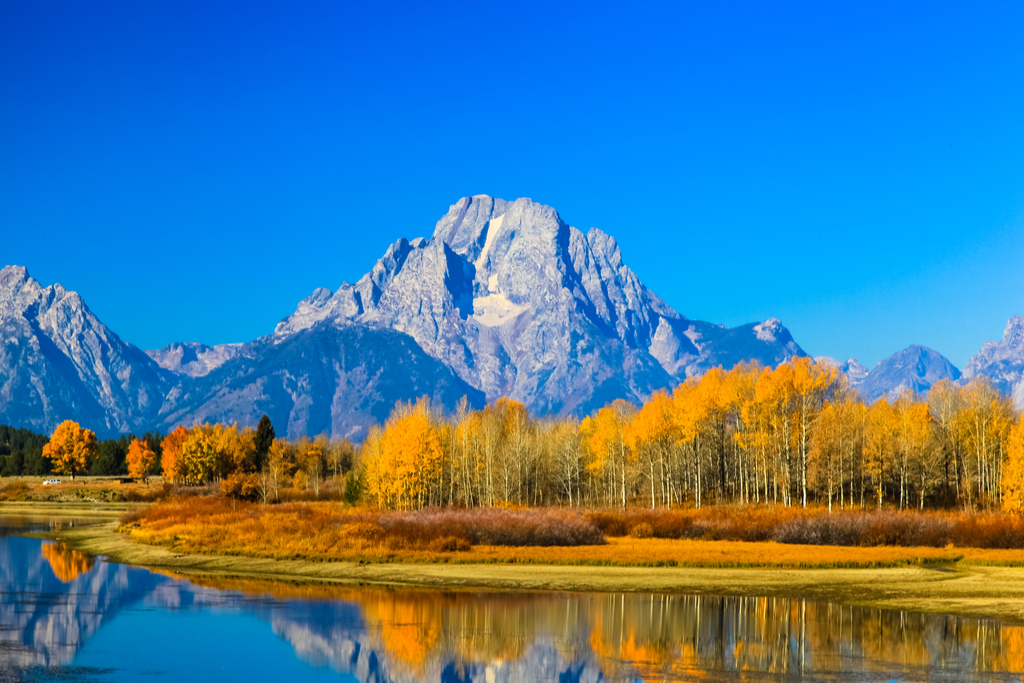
x: 67, y: 564
x: 59, y: 599
x: 419, y: 635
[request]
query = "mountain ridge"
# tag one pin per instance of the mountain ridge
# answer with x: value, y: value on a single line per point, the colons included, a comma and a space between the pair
x: 503, y: 299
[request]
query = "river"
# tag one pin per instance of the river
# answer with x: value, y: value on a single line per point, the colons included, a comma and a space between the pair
x: 70, y: 617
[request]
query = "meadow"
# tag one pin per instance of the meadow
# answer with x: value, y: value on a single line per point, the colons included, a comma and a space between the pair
x: 724, y: 536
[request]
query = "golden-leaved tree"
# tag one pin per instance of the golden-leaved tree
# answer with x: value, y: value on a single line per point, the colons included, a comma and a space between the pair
x: 652, y: 434
x: 812, y: 383
x: 141, y: 459
x: 199, y: 456
x: 1013, y: 470
x: 606, y: 436
x: 880, y: 438
x: 170, y: 454
x: 71, y: 448
x: 404, y: 459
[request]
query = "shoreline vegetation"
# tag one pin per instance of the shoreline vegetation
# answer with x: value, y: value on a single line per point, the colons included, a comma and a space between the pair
x: 957, y: 588
x: 965, y: 581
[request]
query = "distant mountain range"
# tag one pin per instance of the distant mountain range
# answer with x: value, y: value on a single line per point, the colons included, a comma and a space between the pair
x: 504, y: 299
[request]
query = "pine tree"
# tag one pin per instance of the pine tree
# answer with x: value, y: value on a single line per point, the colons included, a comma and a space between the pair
x: 264, y: 440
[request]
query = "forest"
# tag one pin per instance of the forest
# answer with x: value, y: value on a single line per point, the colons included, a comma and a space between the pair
x: 21, y: 453
x: 796, y: 436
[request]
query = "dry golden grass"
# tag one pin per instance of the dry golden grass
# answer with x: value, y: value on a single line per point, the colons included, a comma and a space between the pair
x: 327, y: 532
x: 81, y: 489
x: 653, y: 552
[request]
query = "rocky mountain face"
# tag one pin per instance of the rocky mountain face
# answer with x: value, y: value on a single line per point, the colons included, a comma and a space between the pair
x: 1003, y: 362
x: 504, y: 299
x: 332, y: 378
x: 58, y: 361
x: 916, y: 368
x: 192, y: 358
x: 518, y: 303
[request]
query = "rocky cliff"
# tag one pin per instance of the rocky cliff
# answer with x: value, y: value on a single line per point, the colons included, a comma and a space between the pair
x: 58, y: 361
x: 518, y: 303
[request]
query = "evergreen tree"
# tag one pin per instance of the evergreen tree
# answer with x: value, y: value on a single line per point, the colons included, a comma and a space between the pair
x: 264, y: 440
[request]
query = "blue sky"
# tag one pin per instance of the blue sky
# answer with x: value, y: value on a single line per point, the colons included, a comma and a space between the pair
x: 195, y: 168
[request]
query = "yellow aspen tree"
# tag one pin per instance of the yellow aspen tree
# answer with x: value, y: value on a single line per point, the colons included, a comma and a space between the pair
x: 880, y: 437
x: 597, y: 464
x: 946, y: 401
x: 811, y: 382
x: 647, y: 435
x: 277, y: 466
x: 378, y: 472
x: 141, y: 460
x: 1013, y: 470
x: 690, y: 409
x: 607, y: 437
x: 198, y: 456
x: 826, y: 447
x: 313, y: 461
x: 71, y: 448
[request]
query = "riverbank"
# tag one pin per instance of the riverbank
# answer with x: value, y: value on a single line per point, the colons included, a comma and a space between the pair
x: 78, y: 509
x: 958, y: 587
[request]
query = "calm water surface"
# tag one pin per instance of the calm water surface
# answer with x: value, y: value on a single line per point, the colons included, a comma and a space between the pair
x: 66, y: 616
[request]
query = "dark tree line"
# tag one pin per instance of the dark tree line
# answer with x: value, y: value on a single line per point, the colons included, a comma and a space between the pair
x: 21, y: 453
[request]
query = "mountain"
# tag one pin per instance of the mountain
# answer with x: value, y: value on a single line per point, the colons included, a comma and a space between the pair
x: 854, y: 371
x: 915, y: 367
x: 192, y: 358
x: 504, y: 299
x: 332, y: 378
x: 58, y: 361
x: 518, y: 303
x: 1003, y: 361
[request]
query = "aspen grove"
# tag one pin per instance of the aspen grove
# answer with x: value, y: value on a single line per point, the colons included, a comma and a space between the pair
x: 796, y: 435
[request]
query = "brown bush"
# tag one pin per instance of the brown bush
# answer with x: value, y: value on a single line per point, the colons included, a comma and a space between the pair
x: 367, y: 531
x: 241, y: 487
x: 642, y: 530
x: 494, y: 526
x: 449, y: 544
x: 817, y: 526
x: 16, y: 490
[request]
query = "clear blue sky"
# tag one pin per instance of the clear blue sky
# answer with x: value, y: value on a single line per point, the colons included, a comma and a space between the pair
x: 196, y: 168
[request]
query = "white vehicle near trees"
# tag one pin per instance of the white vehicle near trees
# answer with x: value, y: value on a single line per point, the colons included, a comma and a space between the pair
x: 50, y: 482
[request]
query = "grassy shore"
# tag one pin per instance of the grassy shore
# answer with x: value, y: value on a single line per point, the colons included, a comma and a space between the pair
x: 79, y: 509
x: 958, y: 587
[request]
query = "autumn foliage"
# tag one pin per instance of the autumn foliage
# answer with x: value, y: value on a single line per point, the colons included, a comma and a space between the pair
x: 141, y: 459
x: 70, y: 449
x: 794, y: 435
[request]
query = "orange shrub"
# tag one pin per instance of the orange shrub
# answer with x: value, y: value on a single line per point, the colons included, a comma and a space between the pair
x: 817, y: 526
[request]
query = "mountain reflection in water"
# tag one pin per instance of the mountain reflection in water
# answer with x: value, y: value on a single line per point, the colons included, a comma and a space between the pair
x: 55, y: 601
